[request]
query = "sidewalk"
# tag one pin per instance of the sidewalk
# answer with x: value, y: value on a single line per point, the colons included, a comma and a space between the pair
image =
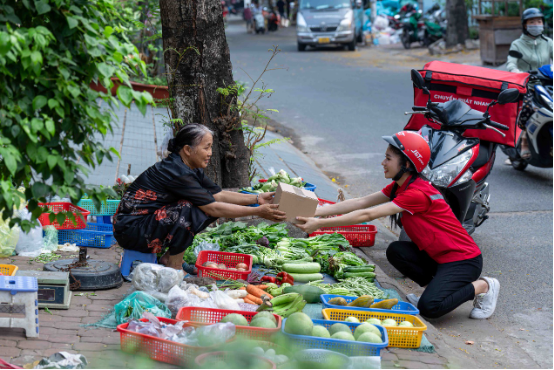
x: 137, y: 139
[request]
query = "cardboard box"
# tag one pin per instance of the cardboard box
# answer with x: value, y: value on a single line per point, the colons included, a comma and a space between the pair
x: 295, y: 201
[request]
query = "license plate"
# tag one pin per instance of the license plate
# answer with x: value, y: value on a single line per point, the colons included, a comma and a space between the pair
x: 324, y: 40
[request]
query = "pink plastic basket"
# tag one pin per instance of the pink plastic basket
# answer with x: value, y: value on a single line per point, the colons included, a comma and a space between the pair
x: 229, y: 259
x: 357, y: 235
x: 57, y: 207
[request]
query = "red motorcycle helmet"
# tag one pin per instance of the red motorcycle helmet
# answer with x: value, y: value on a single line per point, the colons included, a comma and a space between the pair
x: 413, y: 146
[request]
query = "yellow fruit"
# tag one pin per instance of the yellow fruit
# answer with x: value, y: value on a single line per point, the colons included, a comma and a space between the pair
x: 364, y: 301
x: 339, y: 301
x: 386, y: 304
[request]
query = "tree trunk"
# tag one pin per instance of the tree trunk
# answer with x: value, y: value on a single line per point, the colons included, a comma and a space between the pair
x: 456, y: 31
x: 198, y: 62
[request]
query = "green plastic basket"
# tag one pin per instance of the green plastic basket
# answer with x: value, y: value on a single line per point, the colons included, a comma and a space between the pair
x: 108, y: 209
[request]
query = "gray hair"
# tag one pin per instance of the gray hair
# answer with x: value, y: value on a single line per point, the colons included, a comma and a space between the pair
x: 191, y: 135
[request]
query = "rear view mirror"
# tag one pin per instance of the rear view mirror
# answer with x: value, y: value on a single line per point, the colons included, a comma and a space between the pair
x: 508, y: 96
x: 515, y: 54
x: 418, y: 81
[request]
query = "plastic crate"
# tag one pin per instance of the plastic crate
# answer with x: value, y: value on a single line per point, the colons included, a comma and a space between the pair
x: 229, y: 357
x: 400, y: 307
x: 107, y: 209
x: 401, y: 337
x: 160, y: 349
x: 205, y: 316
x: 56, y: 207
x: 357, y: 235
x: 95, y: 236
x: 346, y: 347
x: 8, y: 270
x: 229, y: 259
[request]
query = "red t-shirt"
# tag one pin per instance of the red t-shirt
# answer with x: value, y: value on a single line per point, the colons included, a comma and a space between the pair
x: 431, y: 224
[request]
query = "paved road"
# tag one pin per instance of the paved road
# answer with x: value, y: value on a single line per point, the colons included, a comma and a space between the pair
x: 337, y: 104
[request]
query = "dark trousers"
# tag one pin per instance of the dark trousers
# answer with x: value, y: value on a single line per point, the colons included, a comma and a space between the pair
x: 448, y: 284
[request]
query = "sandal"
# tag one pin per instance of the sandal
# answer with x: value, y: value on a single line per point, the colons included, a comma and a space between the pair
x: 525, y: 154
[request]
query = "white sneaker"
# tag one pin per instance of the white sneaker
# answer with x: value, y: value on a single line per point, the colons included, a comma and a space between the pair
x: 413, y: 299
x: 508, y: 162
x: 485, y: 303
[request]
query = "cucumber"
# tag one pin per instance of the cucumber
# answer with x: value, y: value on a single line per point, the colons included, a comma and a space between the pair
x: 302, y: 268
x: 309, y: 292
x: 359, y: 274
x: 367, y: 268
x: 306, y: 278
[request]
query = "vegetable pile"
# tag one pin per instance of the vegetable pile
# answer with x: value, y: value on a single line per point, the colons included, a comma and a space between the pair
x: 273, y: 181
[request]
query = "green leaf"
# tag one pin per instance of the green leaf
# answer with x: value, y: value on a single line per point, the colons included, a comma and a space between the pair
x: 72, y: 22
x: 36, y: 124
x: 108, y: 31
x: 9, y: 160
x: 31, y: 151
x: 5, y: 43
x: 105, y: 70
x: 42, y: 7
x: 52, y: 103
x: 15, y: 130
x: 74, y: 90
x: 125, y: 94
x: 40, y: 189
x: 39, y: 101
x: 60, y: 217
x: 50, y: 126
x: 36, y: 57
x: 52, y: 160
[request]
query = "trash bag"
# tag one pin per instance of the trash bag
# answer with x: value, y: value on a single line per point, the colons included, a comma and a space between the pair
x: 150, y: 277
x: 205, y: 246
x: 63, y: 360
x: 134, y: 306
x: 8, y: 237
x: 29, y: 244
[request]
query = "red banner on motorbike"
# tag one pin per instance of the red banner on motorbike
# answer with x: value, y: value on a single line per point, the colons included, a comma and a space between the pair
x: 477, y: 87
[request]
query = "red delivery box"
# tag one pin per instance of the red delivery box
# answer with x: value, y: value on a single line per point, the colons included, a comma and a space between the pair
x: 477, y: 87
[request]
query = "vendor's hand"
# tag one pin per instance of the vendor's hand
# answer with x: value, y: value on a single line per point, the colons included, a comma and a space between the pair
x: 308, y: 224
x: 266, y: 198
x: 271, y: 212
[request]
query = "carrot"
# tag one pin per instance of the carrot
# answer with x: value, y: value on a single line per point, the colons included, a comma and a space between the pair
x: 257, y: 292
x: 262, y: 287
x: 246, y: 300
x: 242, y: 288
x: 254, y: 299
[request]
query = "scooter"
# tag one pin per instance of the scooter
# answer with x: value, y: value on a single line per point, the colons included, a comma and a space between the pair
x: 460, y: 165
x: 539, y: 125
x: 413, y: 29
x: 259, y: 23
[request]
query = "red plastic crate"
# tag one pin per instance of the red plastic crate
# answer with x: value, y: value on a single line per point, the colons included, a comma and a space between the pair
x: 229, y: 259
x: 204, y: 316
x: 160, y: 349
x: 357, y: 235
x: 57, y: 207
x: 323, y: 201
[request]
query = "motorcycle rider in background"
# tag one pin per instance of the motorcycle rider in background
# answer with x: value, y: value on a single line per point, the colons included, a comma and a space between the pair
x: 537, y: 51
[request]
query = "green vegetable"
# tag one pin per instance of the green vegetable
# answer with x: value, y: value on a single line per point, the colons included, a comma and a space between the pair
x: 359, y: 274
x: 305, y: 278
x: 366, y: 328
x: 356, y: 286
x: 262, y: 322
x: 367, y: 268
x: 236, y: 319
x: 265, y: 314
x: 342, y: 335
x: 302, y: 268
x: 320, y: 331
x: 310, y: 293
x: 299, y: 324
x: 370, y: 338
x: 335, y: 328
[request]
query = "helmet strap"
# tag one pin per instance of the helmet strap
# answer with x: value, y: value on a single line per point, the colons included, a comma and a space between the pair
x: 400, y: 173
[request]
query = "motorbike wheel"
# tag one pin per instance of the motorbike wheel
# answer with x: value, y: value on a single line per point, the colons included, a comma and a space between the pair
x: 405, y: 39
x: 519, y: 164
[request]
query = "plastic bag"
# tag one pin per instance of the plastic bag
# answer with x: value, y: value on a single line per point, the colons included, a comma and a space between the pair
x: 223, y: 301
x: 29, y: 244
x: 178, y: 298
x: 50, y: 240
x: 134, y: 306
x: 205, y: 246
x: 163, y: 152
x: 8, y: 237
x: 380, y: 23
x: 150, y: 277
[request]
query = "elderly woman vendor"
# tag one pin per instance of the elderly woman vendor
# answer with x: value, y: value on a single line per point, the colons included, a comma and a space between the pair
x: 173, y: 200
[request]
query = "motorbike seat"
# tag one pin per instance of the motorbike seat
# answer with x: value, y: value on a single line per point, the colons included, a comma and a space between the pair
x: 454, y: 112
x: 486, y: 150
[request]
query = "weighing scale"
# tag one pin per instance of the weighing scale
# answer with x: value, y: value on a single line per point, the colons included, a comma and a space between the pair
x: 53, y: 288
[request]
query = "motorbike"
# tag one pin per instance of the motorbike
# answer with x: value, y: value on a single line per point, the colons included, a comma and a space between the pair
x: 539, y: 125
x: 273, y: 21
x: 459, y: 165
x: 424, y: 30
x: 259, y: 23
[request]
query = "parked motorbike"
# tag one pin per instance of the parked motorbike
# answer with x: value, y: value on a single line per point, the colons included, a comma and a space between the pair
x: 424, y: 30
x: 259, y: 23
x: 273, y: 21
x: 460, y: 165
x: 539, y: 125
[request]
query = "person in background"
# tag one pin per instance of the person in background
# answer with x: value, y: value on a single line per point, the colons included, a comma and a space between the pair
x: 281, y: 9
x: 247, y: 15
x: 537, y: 51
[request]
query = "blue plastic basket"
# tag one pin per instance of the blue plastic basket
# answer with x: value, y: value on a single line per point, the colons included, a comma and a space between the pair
x: 95, y: 236
x: 400, y: 307
x: 107, y: 209
x: 347, y: 347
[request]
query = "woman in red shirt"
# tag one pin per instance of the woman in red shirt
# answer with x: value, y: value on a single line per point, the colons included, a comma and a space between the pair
x: 441, y: 256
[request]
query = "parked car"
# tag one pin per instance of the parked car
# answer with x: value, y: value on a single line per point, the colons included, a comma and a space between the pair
x: 324, y: 22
